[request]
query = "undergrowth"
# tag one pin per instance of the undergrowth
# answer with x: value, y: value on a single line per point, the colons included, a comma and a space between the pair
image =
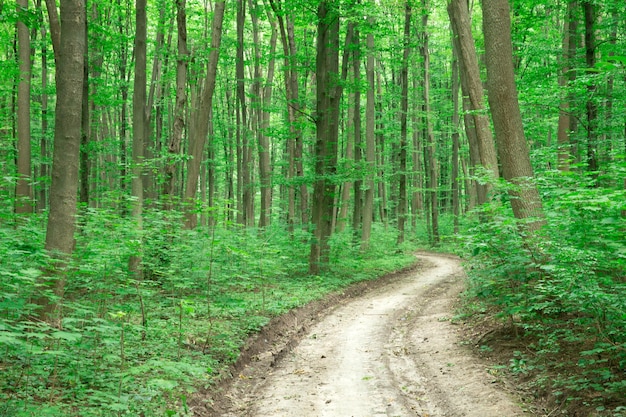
x: 562, y: 291
x: 129, y: 347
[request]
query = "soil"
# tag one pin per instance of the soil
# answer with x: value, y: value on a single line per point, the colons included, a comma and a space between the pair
x: 387, y: 348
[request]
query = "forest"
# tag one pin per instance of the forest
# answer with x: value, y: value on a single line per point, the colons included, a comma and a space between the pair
x: 174, y: 174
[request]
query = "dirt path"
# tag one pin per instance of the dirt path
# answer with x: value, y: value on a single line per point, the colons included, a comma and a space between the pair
x: 390, y: 352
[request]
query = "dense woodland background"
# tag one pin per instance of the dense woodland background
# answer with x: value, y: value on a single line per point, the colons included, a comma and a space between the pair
x: 174, y: 174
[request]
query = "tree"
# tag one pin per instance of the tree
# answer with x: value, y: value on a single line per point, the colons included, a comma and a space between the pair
x: 200, y: 119
x: 473, y: 89
x: 565, y: 119
x: 174, y: 143
x: 404, y: 110
x: 327, y: 125
x: 430, y: 144
x: 589, y: 10
x: 67, y: 134
x: 507, y: 118
x: 370, y: 139
x: 23, y: 189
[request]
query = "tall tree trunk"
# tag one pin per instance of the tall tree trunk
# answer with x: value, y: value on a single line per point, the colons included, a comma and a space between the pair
x: 473, y: 89
x: 123, y: 125
x: 85, y: 126
x: 327, y: 124
x: 174, y: 142
x: 139, y: 126
x: 429, y: 136
x: 507, y: 119
x: 44, y: 171
x: 353, y: 139
x: 24, y: 188
x: 569, y: 51
x: 589, y: 9
x: 64, y: 185
x: 404, y: 109
x: 417, y: 198
x: 370, y: 140
x: 264, y: 99
x: 455, y: 144
x: 200, y: 118
x: 294, y: 147
x: 356, y: 152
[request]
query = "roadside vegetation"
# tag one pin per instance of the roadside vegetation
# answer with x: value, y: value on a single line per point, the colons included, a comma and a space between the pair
x: 140, y: 347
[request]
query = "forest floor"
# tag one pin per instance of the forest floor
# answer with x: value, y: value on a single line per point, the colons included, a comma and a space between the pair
x: 383, y: 348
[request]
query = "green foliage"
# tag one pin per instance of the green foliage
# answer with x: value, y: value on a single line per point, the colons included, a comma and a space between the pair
x: 132, y: 347
x: 564, y: 290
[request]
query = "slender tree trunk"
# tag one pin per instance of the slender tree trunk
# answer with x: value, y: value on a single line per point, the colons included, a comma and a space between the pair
x: 589, y: 9
x: 370, y: 140
x: 564, y: 125
x: 507, y: 119
x: 327, y: 123
x: 429, y: 137
x: 175, y: 140
x: 473, y: 89
x: 404, y: 109
x: 200, y: 118
x: 44, y: 171
x: 24, y: 188
x: 264, y: 99
x: 455, y: 143
x: 353, y: 139
x: 139, y: 127
x: 64, y: 185
x: 85, y: 127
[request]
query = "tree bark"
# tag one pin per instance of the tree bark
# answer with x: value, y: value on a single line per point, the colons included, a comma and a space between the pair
x: 200, y: 120
x: 455, y: 144
x: 429, y: 137
x: 327, y: 124
x: 370, y: 140
x: 564, y: 128
x: 64, y: 185
x: 507, y: 119
x: 473, y: 89
x: 175, y: 140
x: 139, y: 127
x: 589, y: 9
x: 23, y: 189
x: 404, y: 109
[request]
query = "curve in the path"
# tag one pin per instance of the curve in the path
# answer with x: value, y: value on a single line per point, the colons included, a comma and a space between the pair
x: 391, y: 352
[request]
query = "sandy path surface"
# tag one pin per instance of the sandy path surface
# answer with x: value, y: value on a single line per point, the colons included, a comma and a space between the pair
x: 390, y: 352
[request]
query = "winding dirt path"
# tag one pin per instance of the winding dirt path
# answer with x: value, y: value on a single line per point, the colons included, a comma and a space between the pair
x: 390, y: 352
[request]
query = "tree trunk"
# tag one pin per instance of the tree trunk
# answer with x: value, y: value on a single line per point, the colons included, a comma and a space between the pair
x: 353, y: 141
x: 589, y: 9
x: 23, y: 189
x: 455, y: 144
x: 370, y: 140
x: 201, y: 119
x: 569, y: 51
x: 139, y: 126
x: 85, y: 167
x: 174, y: 143
x: 429, y: 136
x: 64, y: 185
x: 264, y: 100
x: 44, y: 171
x: 507, y: 119
x: 404, y: 109
x: 473, y: 88
x: 327, y: 124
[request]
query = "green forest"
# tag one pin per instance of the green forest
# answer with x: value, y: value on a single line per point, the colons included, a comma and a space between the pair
x: 174, y: 174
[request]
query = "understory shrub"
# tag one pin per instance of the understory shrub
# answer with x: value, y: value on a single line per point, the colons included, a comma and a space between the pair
x: 129, y: 346
x: 564, y: 290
